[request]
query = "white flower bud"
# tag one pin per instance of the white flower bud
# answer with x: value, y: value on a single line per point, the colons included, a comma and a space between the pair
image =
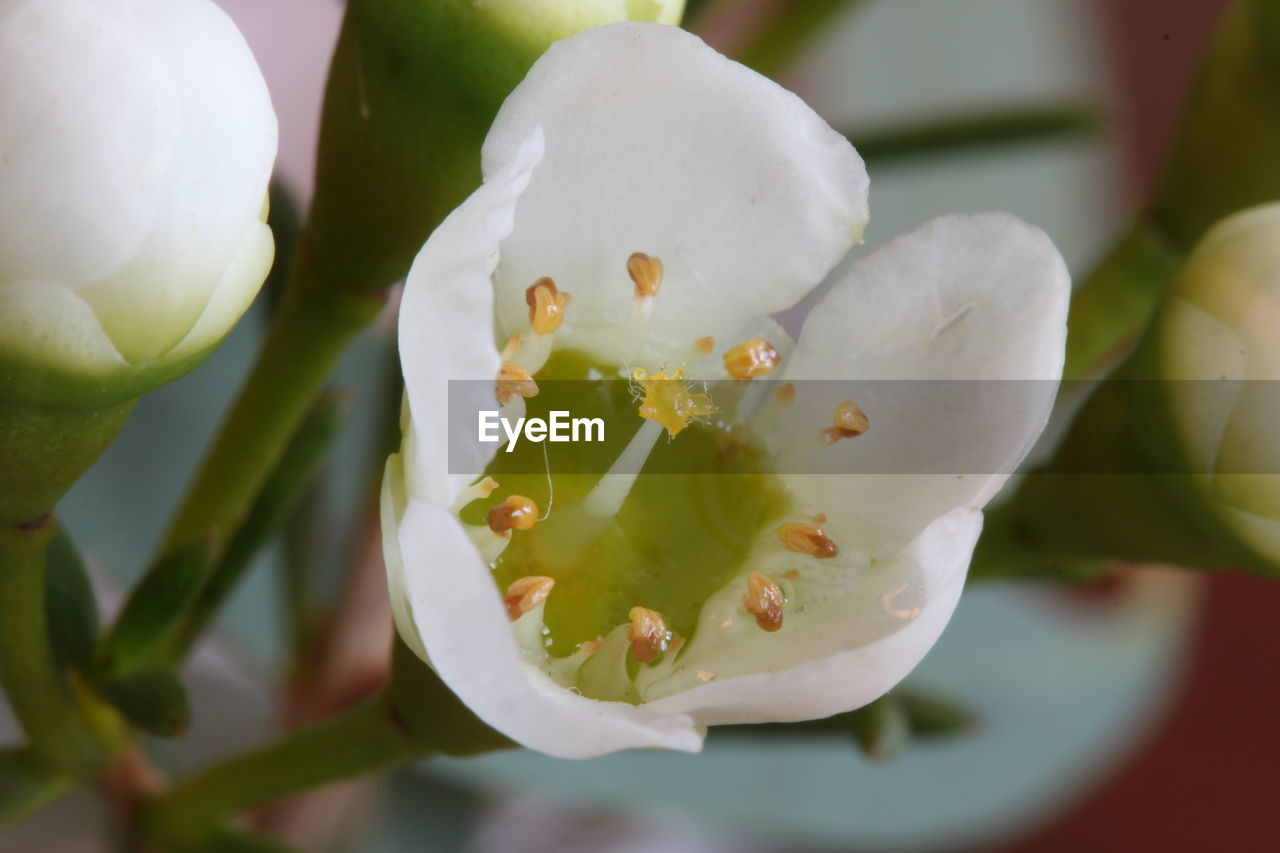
x: 1221, y: 321
x: 136, y: 143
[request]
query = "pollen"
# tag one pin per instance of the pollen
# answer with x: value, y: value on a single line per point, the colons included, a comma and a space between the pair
x: 526, y: 594
x: 546, y: 306
x: 646, y: 272
x: 807, y: 539
x: 847, y: 421
x: 515, y: 513
x: 648, y: 633
x: 764, y: 601
x: 514, y: 381
x: 791, y: 574
x: 669, y: 402
x: 704, y: 346
x: 751, y: 359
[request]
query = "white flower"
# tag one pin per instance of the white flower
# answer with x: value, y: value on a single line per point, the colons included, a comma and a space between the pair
x: 136, y: 142
x: 639, y: 138
x: 1221, y: 321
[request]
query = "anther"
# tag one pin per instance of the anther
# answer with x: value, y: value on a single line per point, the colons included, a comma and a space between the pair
x: 593, y: 646
x: 847, y: 421
x: 514, y: 381
x: 751, y: 359
x: 515, y: 513
x: 703, y: 346
x: 791, y: 574
x: 546, y: 306
x: 764, y: 601
x: 785, y: 394
x: 648, y: 633
x: 525, y: 594
x: 646, y: 272
x: 807, y: 539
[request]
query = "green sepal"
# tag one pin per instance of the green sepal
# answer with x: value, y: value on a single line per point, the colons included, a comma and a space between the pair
x: 70, y: 607
x: 932, y: 717
x: 153, y: 701
x: 430, y: 712
x: 26, y: 785
x: 155, y: 606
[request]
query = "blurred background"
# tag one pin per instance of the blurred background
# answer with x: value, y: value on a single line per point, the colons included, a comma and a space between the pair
x: 1136, y: 714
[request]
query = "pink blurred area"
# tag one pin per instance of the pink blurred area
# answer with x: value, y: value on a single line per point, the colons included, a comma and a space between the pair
x: 292, y: 40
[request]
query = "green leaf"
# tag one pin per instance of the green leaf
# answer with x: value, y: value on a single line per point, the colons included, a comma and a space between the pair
x: 155, y: 605
x: 154, y: 701
x: 71, y: 610
x: 26, y: 786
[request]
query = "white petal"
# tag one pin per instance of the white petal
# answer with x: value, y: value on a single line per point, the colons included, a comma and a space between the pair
x: 657, y: 144
x: 981, y: 296
x: 459, y: 617
x: 446, y: 322
x: 51, y: 326
x: 223, y: 151
x: 846, y: 650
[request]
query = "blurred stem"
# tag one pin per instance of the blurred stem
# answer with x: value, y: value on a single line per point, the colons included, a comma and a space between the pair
x: 313, y: 326
x: 56, y: 730
x: 278, y: 498
x: 365, y: 739
x: 975, y: 130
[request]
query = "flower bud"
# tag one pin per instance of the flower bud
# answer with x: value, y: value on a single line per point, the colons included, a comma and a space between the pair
x: 137, y: 141
x: 1216, y: 342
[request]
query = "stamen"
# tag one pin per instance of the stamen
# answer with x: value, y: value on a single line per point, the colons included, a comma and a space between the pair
x: 514, y: 381
x: 593, y: 646
x: 515, y: 513
x: 546, y: 306
x: 848, y: 421
x: 513, y: 346
x: 784, y: 395
x: 751, y: 359
x: 764, y: 601
x: 669, y: 402
x: 648, y: 633
x: 703, y: 346
x: 525, y: 594
x: 646, y: 272
x: 674, y: 647
x: 475, y: 492
x: 807, y: 539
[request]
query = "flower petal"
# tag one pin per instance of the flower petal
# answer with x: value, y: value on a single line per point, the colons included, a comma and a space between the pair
x: 847, y: 649
x: 446, y: 321
x: 974, y: 297
x: 459, y: 617
x: 657, y: 144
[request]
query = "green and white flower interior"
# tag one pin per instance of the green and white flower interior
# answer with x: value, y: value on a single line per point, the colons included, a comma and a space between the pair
x: 647, y: 206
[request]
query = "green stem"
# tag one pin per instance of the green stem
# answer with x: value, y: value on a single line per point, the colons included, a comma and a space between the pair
x: 40, y: 699
x: 313, y: 326
x: 365, y: 739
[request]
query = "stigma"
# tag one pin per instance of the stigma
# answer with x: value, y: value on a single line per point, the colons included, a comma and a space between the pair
x: 668, y: 401
x: 808, y: 539
x: 515, y: 513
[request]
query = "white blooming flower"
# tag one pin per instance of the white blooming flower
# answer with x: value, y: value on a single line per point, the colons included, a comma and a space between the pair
x: 1221, y: 321
x: 136, y: 142
x: 680, y: 200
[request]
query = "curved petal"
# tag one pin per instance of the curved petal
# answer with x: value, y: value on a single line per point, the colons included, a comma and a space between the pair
x: 846, y: 650
x: 974, y: 297
x: 223, y: 151
x: 446, y: 321
x: 658, y: 144
x: 460, y: 619
x: 88, y: 127
x: 51, y: 326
